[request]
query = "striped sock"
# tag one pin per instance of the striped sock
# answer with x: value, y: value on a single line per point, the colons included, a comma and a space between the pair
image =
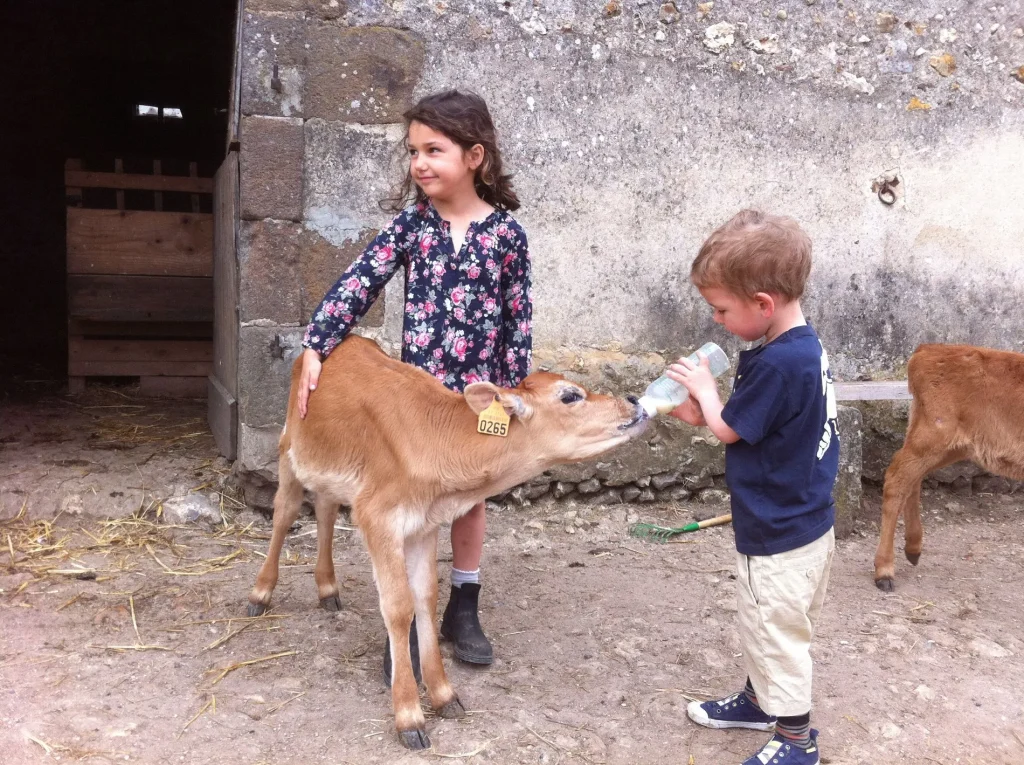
x: 796, y: 730
x: 748, y: 691
x: 460, y: 577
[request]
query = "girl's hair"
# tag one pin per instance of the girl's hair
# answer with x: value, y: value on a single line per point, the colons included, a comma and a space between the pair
x: 465, y: 119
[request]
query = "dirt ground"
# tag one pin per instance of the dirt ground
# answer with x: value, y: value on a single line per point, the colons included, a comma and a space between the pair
x: 601, y: 639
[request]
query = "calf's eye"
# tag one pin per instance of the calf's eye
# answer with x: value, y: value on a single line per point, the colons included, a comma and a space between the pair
x: 571, y: 396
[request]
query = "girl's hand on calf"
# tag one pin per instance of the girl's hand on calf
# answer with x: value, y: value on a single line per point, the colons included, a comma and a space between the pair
x: 308, y: 379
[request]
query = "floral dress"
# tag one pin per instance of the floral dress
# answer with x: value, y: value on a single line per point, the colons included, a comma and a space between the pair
x: 467, y: 313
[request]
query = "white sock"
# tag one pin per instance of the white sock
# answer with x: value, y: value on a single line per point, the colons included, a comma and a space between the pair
x: 460, y: 577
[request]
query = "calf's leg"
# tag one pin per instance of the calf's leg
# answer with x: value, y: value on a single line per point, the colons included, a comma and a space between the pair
x: 326, y: 581
x: 287, y: 502
x: 421, y: 565
x: 386, y: 550
x: 924, y: 449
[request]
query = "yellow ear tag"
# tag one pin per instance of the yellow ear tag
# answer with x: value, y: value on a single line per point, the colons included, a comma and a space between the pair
x: 493, y: 421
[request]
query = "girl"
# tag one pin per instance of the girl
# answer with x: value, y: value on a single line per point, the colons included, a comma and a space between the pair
x: 467, y: 299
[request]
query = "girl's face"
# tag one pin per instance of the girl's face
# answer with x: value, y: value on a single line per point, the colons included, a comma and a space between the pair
x: 747, y: 318
x: 439, y: 166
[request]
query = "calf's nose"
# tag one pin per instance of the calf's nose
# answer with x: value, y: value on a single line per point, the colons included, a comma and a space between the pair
x: 633, y: 400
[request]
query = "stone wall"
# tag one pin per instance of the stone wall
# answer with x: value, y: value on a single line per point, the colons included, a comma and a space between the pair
x: 634, y: 129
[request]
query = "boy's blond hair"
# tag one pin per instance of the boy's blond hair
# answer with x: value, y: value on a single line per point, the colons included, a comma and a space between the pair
x: 755, y: 252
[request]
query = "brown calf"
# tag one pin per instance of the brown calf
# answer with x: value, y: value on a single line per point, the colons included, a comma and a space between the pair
x: 404, y: 453
x: 968, y: 405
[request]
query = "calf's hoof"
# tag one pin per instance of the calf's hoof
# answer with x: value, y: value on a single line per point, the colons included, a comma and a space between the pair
x: 453, y: 710
x: 913, y: 557
x: 331, y: 603
x: 256, y: 609
x: 885, y: 584
x: 414, y: 739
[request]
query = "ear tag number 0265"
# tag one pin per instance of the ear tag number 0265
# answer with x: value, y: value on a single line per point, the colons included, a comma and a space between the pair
x: 493, y: 421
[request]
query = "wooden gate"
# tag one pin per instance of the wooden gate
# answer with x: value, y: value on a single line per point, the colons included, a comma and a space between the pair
x: 140, y: 283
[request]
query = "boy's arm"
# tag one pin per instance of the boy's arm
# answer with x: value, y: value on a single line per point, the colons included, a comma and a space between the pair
x: 355, y: 292
x: 516, y: 312
x: 702, y: 388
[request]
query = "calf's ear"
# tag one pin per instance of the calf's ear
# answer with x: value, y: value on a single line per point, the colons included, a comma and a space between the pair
x: 479, y: 395
x: 515, y: 405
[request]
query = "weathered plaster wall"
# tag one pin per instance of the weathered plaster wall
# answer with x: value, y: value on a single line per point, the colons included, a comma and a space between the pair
x: 634, y: 129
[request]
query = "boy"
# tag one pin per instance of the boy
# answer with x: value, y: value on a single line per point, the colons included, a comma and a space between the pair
x: 782, y: 458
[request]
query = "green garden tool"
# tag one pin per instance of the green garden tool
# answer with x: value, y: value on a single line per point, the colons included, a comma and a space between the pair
x: 657, y: 533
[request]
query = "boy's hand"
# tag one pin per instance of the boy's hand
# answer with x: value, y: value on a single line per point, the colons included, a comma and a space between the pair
x: 689, y: 412
x: 698, y: 380
x: 308, y: 378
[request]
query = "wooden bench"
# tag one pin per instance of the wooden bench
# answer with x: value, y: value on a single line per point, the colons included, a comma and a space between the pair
x: 883, y: 390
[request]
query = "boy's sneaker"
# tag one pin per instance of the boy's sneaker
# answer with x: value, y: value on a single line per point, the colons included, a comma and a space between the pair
x: 734, y: 711
x: 780, y: 751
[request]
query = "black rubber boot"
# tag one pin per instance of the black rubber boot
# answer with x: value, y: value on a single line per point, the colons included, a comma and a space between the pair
x: 461, y: 625
x: 414, y: 653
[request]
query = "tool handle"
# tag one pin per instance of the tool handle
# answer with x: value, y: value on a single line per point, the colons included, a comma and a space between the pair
x: 720, y: 520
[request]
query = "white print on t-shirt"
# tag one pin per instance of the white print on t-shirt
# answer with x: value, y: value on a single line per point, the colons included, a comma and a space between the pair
x: 831, y: 410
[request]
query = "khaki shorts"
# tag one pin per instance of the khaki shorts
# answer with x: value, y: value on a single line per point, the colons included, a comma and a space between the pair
x: 779, y: 600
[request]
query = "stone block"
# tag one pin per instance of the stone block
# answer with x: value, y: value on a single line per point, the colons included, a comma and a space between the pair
x: 257, y: 449
x: 847, y: 491
x: 350, y: 170
x: 883, y: 425
x: 663, y: 481
x: 265, y: 356
x: 270, y: 172
x: 268, y: 287
x: 320, y: 265
x: 285, y: 271
x: 668, y: 449
x: 269, y: 41
x: 589, y: 487
x: 713, y: 496
x: 364, y: 75
x: 679, y: 494
x: 576, y: 472
x: 536, y: 490
x: 562, y: 489
x: 325, y: 9
x: 609, y: 497
x: 630, y: 494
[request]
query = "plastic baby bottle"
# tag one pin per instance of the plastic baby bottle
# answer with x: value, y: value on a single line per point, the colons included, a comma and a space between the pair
x: 665, y: 394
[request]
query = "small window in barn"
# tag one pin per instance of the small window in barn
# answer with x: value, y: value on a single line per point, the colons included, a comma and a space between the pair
x: 173, y: 113
x: 142, y: 110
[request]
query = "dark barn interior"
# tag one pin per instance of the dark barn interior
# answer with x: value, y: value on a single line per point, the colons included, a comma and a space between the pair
x: 139, y: 87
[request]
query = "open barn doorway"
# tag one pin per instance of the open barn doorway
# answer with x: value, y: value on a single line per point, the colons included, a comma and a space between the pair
x: 108, y: 153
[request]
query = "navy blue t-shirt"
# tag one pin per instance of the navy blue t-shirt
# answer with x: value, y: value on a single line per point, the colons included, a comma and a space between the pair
x: 782, y: 470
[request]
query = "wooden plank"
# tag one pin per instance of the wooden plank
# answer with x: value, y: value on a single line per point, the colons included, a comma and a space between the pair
x: 94, y: 349
x: 139, y: 368
x: 140, y: 298
x: 158, y: 196
x: 173, y: 387
x: 159, y: 329
x: 139, y: 242
x: 225, y: 275
x: 193, y: 171
x: 235, y: 96
x: 136, y: 181
x: 223, y: 390
x: 119, y: 194
x: 882, y: 390
x: 72, y: 193
x: 222, y: 415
